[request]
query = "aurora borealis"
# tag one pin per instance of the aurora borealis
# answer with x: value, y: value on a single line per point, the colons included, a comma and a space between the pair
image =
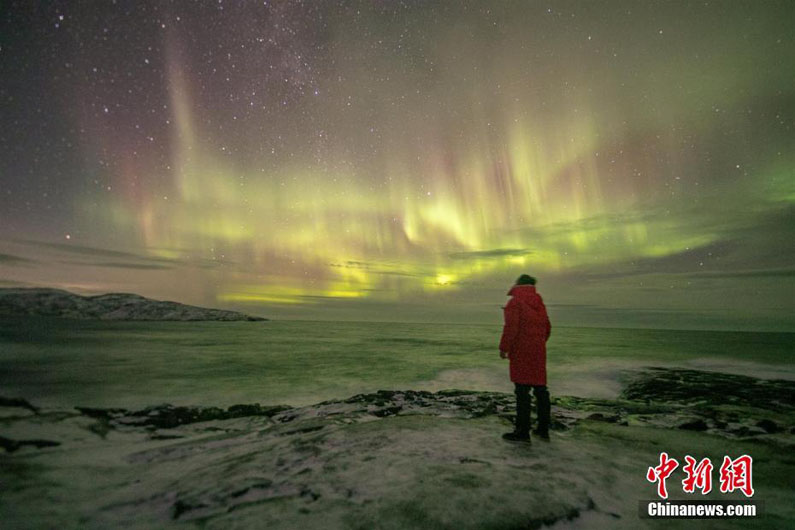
x: 406, y: 160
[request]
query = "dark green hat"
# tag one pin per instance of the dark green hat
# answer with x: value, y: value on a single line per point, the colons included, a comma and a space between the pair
x: 526, y: 279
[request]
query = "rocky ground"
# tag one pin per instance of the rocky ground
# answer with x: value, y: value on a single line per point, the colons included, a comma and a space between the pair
x: 18, y: 302
x: 392, y: 459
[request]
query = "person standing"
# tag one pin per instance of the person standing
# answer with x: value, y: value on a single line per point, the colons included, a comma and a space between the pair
x: 523, y: 343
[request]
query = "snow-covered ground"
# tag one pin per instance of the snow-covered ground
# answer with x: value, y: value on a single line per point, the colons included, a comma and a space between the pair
x: 394, y: 459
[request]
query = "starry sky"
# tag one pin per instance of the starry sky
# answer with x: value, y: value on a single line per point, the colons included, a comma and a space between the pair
x: 387, y: 160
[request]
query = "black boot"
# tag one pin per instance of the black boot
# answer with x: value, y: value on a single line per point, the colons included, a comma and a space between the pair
x: 521, y: 431
x: 515, y: 437
x: 543, y: 412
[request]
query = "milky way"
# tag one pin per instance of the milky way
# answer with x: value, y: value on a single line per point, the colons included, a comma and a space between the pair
x: 406, y: 160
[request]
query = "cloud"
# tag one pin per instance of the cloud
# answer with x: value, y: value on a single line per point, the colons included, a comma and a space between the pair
x: 8, y: 259
x: 77, y: 249
x: 372, y: 267
x: 759, y: 273
x: 724, y: 258
x: 136, y: 261
x: 491, y: 253
x: 351, y: 264
x: 123, y: 265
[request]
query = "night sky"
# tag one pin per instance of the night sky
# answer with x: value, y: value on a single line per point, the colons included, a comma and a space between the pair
x: 388, y: 160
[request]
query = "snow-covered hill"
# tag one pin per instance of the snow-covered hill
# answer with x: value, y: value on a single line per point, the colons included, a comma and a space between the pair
x: 111, y: 306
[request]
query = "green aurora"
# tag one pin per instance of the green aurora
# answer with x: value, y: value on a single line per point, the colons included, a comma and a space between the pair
x: 386, y: 161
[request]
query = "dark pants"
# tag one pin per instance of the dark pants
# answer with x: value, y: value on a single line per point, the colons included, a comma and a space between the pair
x: 523, y: 408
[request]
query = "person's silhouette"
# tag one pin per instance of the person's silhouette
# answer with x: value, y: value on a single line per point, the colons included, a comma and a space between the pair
x: 523, y: 342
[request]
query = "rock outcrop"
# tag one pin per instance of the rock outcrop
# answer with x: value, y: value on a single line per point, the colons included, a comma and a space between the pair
x: 17, y: 302
x: 389, y: 459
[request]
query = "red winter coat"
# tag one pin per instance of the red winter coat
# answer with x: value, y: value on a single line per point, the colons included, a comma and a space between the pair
x: 525, y: 335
